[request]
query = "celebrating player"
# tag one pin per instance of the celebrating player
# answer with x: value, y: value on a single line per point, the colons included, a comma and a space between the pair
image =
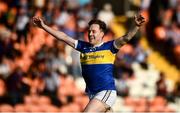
x: 97, y: 58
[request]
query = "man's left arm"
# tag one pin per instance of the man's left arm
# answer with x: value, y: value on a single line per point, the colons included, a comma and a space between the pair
x: 139, y: 20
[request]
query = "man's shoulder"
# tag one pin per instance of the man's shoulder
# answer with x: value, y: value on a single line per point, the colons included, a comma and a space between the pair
x: 108, y: 43
x: 83, y: 42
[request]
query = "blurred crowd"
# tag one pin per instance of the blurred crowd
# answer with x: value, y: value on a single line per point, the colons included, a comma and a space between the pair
x: 39, y: 73
x: 164, y: 28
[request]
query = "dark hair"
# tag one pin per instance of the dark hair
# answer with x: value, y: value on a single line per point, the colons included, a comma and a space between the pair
x: 101, y: 24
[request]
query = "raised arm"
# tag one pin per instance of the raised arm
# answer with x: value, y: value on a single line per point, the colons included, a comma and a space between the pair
x: 57, y: 34
x: 139, y: 20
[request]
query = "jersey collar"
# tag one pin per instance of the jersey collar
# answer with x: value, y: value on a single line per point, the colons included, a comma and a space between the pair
x: 98, y: 45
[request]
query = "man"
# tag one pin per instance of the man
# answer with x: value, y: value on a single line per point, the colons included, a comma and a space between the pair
x: 97, y: 58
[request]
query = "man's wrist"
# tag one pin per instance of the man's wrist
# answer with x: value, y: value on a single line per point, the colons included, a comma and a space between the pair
x: 43, y: 26
x: 138, y: 25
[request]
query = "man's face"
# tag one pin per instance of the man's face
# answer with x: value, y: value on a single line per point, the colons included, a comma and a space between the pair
x: 95, y: 34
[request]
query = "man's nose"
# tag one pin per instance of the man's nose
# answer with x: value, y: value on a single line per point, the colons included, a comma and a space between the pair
x: 90, y: 33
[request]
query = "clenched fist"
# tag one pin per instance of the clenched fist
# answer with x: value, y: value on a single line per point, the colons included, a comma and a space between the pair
x: 38, y: 22
x: 139, y: 20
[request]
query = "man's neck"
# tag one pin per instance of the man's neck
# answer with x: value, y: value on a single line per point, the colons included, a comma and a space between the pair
x: 98, y: 44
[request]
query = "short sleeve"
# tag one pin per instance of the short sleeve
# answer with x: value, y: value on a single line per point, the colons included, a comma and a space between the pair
x: 113, y: 47
x: 80, y: 45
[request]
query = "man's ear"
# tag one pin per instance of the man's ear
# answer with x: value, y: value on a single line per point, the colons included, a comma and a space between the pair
x: 102, y: 33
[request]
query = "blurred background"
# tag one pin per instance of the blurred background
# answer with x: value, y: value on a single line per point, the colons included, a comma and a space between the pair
x: 40, y: 74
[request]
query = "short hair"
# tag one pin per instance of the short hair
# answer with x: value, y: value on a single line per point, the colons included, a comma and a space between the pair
x: 101, y: 24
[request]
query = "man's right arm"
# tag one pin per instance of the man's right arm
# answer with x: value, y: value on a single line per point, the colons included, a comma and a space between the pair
x: 57, y: 34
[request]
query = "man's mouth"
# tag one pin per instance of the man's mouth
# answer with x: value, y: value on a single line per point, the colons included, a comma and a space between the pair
x: 91, y: 37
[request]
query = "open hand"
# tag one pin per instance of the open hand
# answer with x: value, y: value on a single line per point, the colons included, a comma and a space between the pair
x: 139, y: 19
x: 38, y: 21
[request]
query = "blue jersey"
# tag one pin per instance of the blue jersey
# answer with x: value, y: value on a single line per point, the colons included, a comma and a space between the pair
x: 97, y: 65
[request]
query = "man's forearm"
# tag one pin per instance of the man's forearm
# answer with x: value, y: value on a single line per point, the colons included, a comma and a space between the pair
x: 139, y: 20
x: 59, y: 35
x: 130, y: 34
x: 127, y: 37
